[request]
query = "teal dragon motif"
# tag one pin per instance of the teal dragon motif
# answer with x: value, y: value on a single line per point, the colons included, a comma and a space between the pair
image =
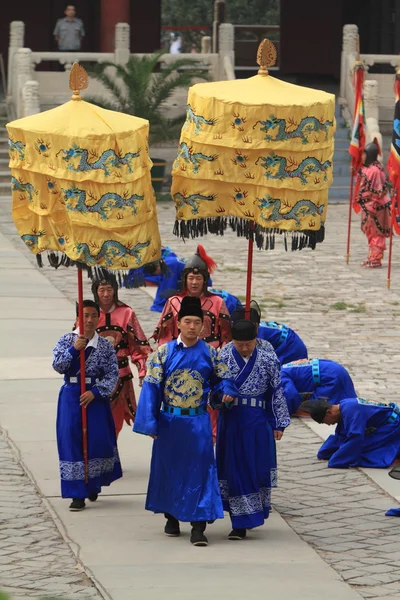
x: 296, y: 213
x: 109, y: 251
x: 193, y: 158
x: 32, y: 239
x: 106, y: 203
x: 198, y: 120
x: 193, y: 201
x: 306, y: 127
x: 17, y: 147
x: 307, y: 166
x: 23, y: 187
x: 108, y: 160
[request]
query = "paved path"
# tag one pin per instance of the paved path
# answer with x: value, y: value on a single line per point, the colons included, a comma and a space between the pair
x: 333, y: 528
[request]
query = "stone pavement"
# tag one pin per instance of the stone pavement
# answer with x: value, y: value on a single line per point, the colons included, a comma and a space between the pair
x: 342, y: 312
x: 34, y: 557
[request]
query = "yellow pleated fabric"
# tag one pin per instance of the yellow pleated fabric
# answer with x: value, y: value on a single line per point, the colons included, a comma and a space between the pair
x: 81, y: 186
x: 257, y: 150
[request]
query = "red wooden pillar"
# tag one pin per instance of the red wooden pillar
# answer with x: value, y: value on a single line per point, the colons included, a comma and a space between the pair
x: 112, y: 12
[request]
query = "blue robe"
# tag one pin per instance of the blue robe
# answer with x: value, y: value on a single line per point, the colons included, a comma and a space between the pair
x: 183, y: 475
x: 287, y: 344
x: 231, y: 301
x: 102, y: 370
x: 315, y: 378
x: 368, y: 435
x: 246, y: 457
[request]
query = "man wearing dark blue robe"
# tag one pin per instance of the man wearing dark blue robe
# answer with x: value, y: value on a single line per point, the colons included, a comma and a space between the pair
x: 367, y: 434
x: 172, y: 409
x: 315, y: 378
x: 246, y: 456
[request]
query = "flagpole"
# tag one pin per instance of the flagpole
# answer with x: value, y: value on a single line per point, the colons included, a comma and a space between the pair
x: 349, y: 223
x: 250, y: 253
x: 83, y: 377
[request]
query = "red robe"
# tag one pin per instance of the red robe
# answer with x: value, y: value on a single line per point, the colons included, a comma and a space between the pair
x: 216, y: 325
x: 375, y: 203
x: 121, y: 327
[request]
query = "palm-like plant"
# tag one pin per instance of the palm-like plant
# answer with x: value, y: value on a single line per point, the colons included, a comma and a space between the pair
x: 139, y: 89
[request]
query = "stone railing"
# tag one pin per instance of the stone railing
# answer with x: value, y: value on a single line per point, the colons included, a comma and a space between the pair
x: 50, y: 88
x: 379, y: 95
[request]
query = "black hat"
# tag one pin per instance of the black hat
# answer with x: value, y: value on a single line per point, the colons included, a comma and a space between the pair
x: 107, y: 278
x: 316, y: 408
x: 372, y: 151
x: 244, y: 331
x: 240, y: 313
x: 190, y: 307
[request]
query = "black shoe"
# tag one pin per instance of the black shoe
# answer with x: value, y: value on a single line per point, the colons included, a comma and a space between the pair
x: 171, y: 528
x: 93, y: 497
x: 237, y: 534
x: 198, y: 538
x: 77, y: 504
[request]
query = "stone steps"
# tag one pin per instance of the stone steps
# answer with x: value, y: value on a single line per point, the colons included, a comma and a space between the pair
x: 4, y: 175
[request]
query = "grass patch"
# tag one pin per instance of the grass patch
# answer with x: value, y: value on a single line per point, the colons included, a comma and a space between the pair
x: 356, y: 308
x: 394, y: 303
x: 163, y: 197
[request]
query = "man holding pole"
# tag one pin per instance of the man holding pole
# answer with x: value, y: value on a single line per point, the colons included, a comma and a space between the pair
x: 78, y: 479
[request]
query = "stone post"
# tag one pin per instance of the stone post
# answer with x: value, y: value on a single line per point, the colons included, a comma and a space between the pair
x: 17, y: 32
x: 31, y: 99
x: 122, y: 43
x: 371, y: 94
x: 23, y: 73
x: 226, y: 46
x: 219, y: 17
x: 349, y: 46
x: 206, y: 44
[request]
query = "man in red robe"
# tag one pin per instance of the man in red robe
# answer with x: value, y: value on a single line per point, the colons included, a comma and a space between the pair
x: 217, y: 325
x: 119, y: 324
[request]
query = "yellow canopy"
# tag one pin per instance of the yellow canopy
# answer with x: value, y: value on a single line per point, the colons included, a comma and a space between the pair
x: 257, y: 150
x: 81, y: 185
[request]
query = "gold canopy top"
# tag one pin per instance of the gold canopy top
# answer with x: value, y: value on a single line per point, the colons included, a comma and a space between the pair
x: 266, y: 56
x: 78, y: 80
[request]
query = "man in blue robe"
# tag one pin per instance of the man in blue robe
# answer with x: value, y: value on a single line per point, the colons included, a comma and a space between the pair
x: 101, y: 371
x: 315, y: 378
x: 287, y: 344
x: 367, y: 434
x: 246, y: 458
x: 172, y: 409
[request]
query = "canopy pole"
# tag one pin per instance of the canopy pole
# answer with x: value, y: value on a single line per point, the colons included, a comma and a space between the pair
x: 349, y: 223
x: 249, y: 269
x: 83, y: 376
x: 392, y: 217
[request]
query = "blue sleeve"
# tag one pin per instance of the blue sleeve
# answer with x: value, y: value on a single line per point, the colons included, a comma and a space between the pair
x: 351, y: 441
x: 108, y: 383
x: 64, y: 354
x: 222, y: 381
x: 293, y: 398
x: 151, y: 396
x: 279, y: 404
x: 329, y: 447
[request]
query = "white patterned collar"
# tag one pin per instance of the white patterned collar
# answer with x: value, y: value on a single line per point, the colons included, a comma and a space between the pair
x: 179, y: 341
x: 91, y: 343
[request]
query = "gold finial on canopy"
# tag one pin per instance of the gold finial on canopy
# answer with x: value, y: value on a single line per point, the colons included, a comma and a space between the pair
x: 266, y: 56
x: 78, y: 80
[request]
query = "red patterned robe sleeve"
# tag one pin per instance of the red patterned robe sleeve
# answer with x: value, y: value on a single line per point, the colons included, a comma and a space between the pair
x: 224, y: 319
x: 139, y: 347
x: 164, y: 332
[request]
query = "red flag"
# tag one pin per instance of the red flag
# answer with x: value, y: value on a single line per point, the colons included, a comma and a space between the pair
x: 393, y: 165
x: 357, y: 143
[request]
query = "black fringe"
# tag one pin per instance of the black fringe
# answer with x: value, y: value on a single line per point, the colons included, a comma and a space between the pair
x: 58, y: 259
x: 263, y: 237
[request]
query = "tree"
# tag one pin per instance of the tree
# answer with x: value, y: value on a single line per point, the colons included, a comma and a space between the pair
x: 137, y: 89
